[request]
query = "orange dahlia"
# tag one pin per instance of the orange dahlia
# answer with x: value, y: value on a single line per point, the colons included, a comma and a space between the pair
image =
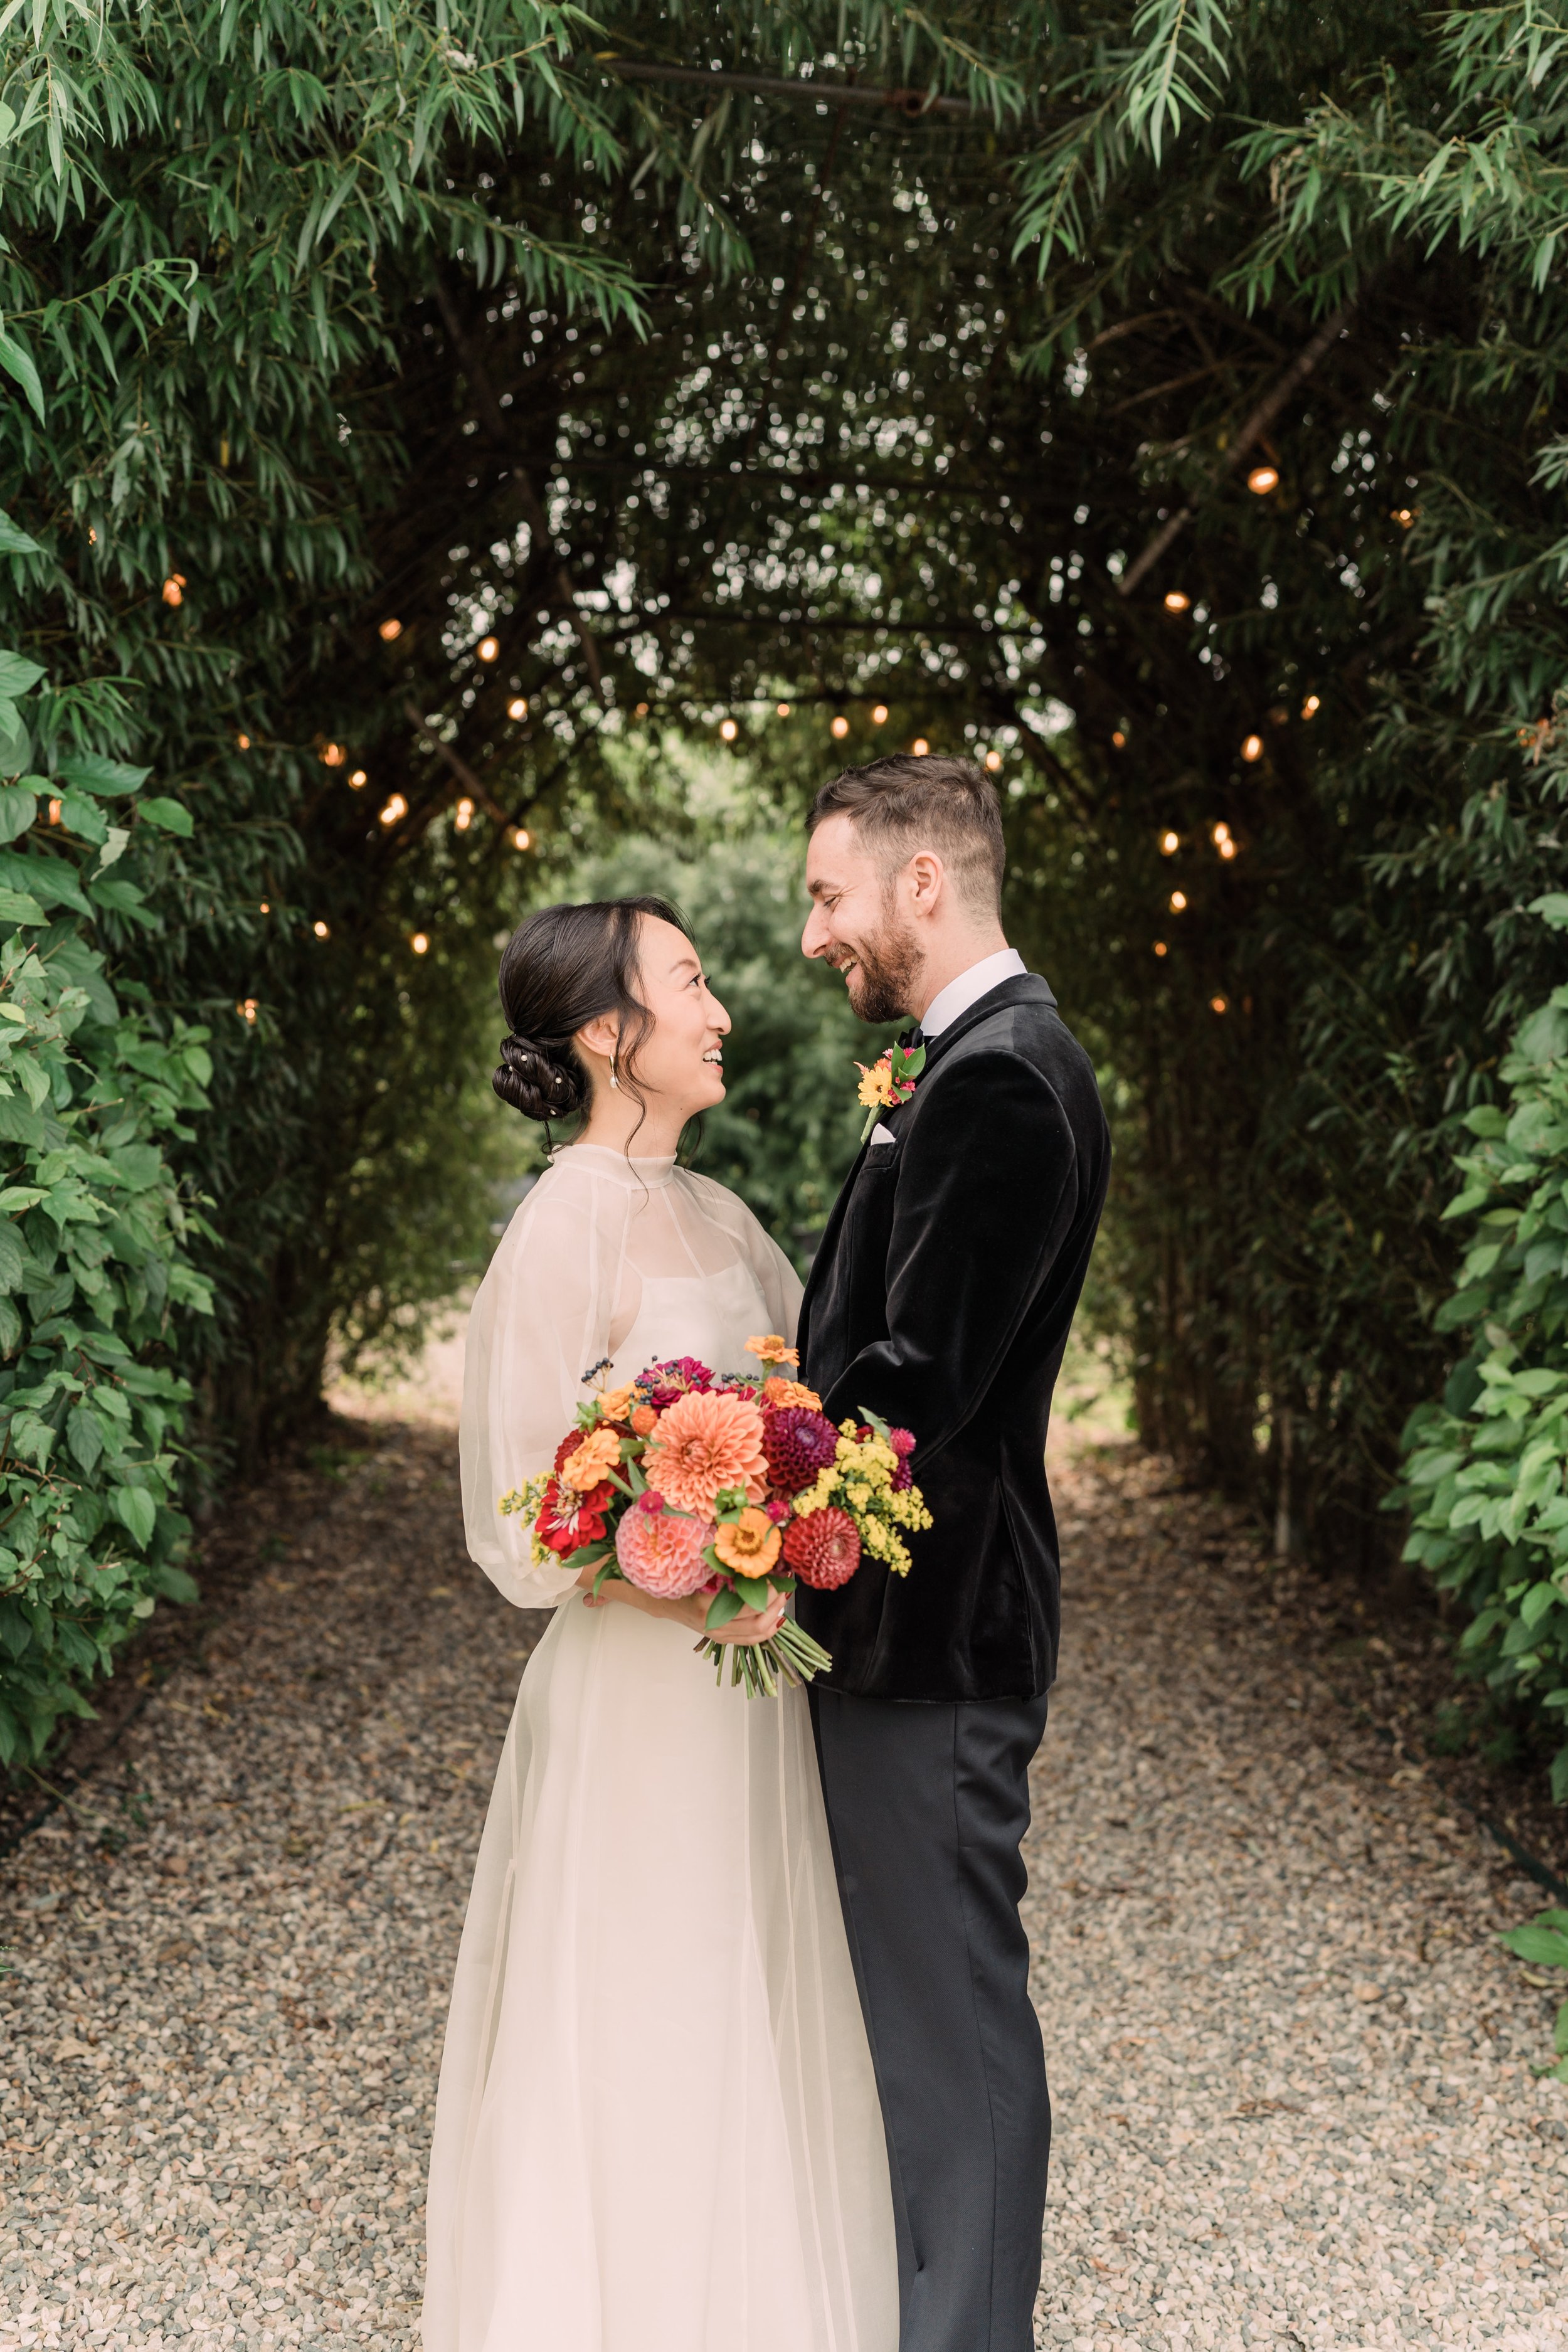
x: 747, y: 1546
x: 777, y: 1390
x: 585, y: 1465
x: 703, y: 1443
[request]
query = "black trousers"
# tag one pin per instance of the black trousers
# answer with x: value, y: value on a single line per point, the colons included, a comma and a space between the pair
x: 928, y: 1805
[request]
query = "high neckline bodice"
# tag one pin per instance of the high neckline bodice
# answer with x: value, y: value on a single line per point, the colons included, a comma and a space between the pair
x: 647, y: 1174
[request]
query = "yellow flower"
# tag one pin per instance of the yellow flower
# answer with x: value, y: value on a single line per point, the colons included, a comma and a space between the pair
x: 748, y: 1546
x: 600, y: 1451
x: 876, y: 1085
x: 616, y: 1403
x: 771, y: 1348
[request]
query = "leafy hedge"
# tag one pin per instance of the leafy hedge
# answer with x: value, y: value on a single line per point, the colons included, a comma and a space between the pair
x: 1486, y: 1472
x: 93, y: 1085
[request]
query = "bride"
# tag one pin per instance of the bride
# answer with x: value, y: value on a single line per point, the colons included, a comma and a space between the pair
x: 658, y: 2128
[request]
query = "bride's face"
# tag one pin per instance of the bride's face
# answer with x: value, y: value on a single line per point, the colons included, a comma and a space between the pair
x: 682, y: 1060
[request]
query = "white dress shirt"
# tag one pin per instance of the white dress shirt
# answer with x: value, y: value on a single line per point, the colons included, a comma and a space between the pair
x: 957, y: 997
x: 968, y: 989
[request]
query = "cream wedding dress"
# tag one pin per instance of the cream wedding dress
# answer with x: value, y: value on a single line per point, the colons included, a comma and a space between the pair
x: 657, y: 2128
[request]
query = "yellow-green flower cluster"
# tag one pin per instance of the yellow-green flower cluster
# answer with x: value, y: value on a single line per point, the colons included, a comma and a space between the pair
x: 860, y: 1480
x: 529, y: 1499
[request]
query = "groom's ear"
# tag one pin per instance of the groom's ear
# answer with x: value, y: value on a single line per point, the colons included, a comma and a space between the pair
x: 925, y: 880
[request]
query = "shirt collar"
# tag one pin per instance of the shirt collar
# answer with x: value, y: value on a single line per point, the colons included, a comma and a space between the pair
x: 968, y: 989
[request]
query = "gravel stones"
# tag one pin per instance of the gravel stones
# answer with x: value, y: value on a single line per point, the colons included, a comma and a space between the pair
x: 1289, y: 2065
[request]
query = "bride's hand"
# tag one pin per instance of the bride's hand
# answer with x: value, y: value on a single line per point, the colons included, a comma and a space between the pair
x: 750, y: 1625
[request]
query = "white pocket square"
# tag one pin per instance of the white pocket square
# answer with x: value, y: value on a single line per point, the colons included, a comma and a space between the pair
x: 881, y: 1134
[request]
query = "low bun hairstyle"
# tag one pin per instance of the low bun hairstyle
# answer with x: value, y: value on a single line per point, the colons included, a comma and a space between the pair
x: 561, y: 968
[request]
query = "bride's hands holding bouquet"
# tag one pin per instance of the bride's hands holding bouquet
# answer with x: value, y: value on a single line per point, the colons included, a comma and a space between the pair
x: 752, y: 1625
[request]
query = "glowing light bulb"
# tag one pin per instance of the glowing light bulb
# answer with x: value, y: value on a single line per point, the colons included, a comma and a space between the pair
x: 247, y: 1010
x: 395, y: 807
x: 642, y: 710
x: 419, y: 942
x: 840, y: 728
x: 1252, y: 747
x: 1169, y: 844
x: 388, y: 630
x: 358, y: 780
x: 919, y: 747
x: 1227, y: 847
x: 265, y: 907
x: 1120, y: 739
x: 91, y: 536
x: 1219, y: 1005
x: 487, y: 648
x: 879, y: 715
x: 54, y: 812
x: 1404, y: 517
x: 322, y: 931
x: 994, y: 761
x: 244, y: 742
x: 1311, y: 706
x: 463, y: 816
x: 521, y: 837
x: 175, y: 588
x: 1161, y: 949
x: 517, y: 706
x: 784, y: 710
x: 1178, y: 902
x: 334, y: 755
x: 1219, y: 832
x: 728, y: 731
x: 1177, y: 600
x: 1262, y: 479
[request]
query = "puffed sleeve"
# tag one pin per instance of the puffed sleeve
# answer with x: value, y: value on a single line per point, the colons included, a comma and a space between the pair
x: 540, y: 1320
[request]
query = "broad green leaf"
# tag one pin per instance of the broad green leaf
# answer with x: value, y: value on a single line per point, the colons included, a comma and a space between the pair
x: 17, y: 675
x: 14, y: 540
x: 1543, y: 1947
x: 111, y: 778
x: 18, y: 808
x: 84, y: 1434
x: 19, y: 906
x: 172, y: 815
x: 18, y: 364
x: 134, y: 1508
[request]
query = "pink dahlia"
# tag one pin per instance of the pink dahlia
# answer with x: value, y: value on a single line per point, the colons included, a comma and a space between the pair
x: 823, y: 1549
x: 703, y: 1443
x: 798, y: 1442
x: 662, y: 1551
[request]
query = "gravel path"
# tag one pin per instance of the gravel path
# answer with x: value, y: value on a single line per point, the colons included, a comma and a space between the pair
x: 1293, y: 2101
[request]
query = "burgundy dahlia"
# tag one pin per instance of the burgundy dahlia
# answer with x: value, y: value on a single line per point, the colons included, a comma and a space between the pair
x: 798, y: 1442
x: 823, y: 1549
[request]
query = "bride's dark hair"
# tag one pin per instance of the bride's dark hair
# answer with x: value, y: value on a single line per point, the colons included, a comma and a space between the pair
x: 561, y: 968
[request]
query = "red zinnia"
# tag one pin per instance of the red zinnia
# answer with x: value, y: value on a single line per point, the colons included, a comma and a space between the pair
x: 823, y: 1549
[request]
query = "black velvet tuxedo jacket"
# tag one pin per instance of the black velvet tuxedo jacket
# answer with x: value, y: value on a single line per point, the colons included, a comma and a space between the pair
x: 941, y: 1298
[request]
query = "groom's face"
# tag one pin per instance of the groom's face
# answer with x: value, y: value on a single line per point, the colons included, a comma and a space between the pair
x: 855, y: 924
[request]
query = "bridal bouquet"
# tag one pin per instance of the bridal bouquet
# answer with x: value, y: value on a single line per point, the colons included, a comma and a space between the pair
x: 737, y: 1485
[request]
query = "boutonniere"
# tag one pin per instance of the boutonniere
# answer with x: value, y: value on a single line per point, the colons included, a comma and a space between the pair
x: 889, y: 1081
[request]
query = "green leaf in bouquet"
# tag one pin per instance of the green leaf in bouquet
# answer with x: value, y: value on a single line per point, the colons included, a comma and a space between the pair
x: 874, y: 1421
x: 754, y: 1591
x: 724, y: 1605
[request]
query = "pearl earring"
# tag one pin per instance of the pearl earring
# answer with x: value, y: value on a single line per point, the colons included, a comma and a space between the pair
x: 615, y: 1082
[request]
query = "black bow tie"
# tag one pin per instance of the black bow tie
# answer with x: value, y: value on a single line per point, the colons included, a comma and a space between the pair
x: 916, y: 1037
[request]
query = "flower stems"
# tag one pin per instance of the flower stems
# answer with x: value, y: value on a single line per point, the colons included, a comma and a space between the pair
x: 790, y: 1655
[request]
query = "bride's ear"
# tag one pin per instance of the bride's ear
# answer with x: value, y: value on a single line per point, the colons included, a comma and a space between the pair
x: 601, y: 1036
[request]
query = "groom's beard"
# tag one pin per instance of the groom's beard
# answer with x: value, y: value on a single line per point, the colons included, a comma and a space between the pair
x: 882, y: 985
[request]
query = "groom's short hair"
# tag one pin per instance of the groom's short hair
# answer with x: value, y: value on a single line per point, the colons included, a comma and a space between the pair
x: 902, y: 804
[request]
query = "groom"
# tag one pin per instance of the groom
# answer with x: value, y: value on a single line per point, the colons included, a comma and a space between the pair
x: 941, y: 1298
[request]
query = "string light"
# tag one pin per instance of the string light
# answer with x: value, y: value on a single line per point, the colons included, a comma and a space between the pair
x: 1219, y: 1005
x: 641, y: 710
x: 1178, y: 902
x: 1404, y: 517
x: 1177, y: 600
x: 728, y: 731
x: 334, y: 755
x: 1219, y: 832
x: 244, y: 742
x: 1169, y: 844
x: 487, y: 648
x: 395, y: 807
x: 994, y: 761
x: 419, y: 942
x: 358, y: 780
x: 388, y: 630
x: 1252, y: 747
x: 322, y: 931
x: 879, y: 715
x: 265, y: 907
x: 54, y: 812
x: 91, y: 536
x: 1262, y: 479
x: 1311, y: 706
x: 247, y: 1010
x: 1120, y: 739
x: 463, y: 816
x: 839, y: 729
x: 1227, y: 847
x: 784, y: 710
x: 518, y: 708
x: 919, y: 747
x: 175, y: 588
x: 521, y: 837
x: 1161, y: 949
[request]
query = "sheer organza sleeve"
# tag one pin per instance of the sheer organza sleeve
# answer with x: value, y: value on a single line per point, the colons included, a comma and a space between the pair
x: 779, y: 1283
x: 541, y: 1320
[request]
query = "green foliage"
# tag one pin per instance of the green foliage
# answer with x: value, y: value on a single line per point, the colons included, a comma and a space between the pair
x: 1486, y: 1469
x: 1545, y: 1943
x: 789, y: 1125
x: 96, y: 1088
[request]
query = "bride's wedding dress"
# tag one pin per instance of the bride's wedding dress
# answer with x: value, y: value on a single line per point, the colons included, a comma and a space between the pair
x: 658, y: 2127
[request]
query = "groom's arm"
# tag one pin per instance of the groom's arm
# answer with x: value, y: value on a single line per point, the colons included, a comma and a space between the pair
x: 987, y: 1192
